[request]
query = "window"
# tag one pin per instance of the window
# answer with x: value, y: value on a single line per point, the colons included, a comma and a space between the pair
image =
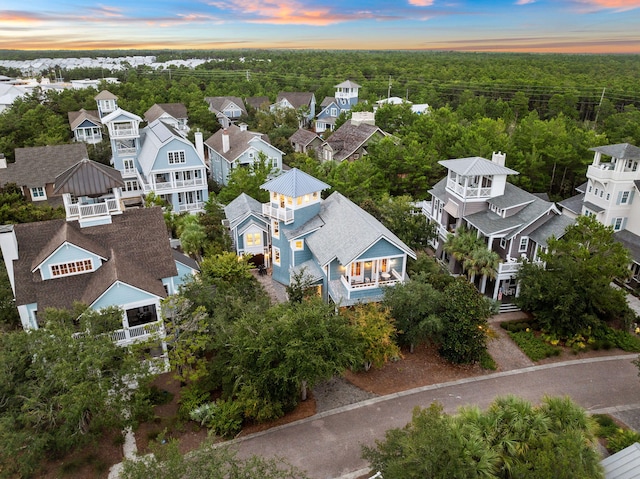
x: 73, y: 267
x: 524, y: 244
x: 590, y: 188
x: 274, y: 196
x: 275, y: 229
x: 38, y: 193
x: 297, y: 245
x: 618, y: 223
x: 128, y: 165
x: 596, y: 191
x: 254, y: 239
x: 503, y: 243
x: 334, y: 112
x: 601, y: 193
x: 624, y: 199
x: 315, y: 195
x: 276, y: 256
x: 131, y: 185
x: 176, y: 157
x: 299, y: 200
x: 608, y: 196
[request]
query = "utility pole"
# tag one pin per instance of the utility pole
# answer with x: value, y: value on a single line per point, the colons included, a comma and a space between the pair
x: 389, y: 89
x: 595, y: 122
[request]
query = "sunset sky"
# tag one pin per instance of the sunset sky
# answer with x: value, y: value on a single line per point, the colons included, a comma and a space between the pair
x: 581, y: 26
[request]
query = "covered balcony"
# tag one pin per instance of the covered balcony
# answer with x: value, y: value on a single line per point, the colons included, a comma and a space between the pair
x: 171, y: 182
x: 87, y: 208
x: 373, y: 273
x: 282, y: 214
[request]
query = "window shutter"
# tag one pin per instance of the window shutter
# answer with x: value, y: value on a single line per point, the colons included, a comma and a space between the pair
x: 633, y: 192
x: 619, y: 197
x: 624, y: 223
x: 613, y: 221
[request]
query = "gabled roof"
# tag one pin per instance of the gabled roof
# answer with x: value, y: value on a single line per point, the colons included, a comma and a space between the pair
x: 185, y: 260
x: 76, y: 118
x: 240, y: 208
x: 630, y: 241
x: 512, y: 197
x: 348, y: 232
x: 328, y: 100
x: 349, y: 137
x: 239, y: 141
x: 153, y: 137
x: 218, y: 104
x: 257, y: 102
x: 573, y: 204
x: 105, y: 95
x: 303, y: 137
x: 582, y: 188
x: 555, y: 227
x: 297, y: 99
x: 39, y: 165
x: 295, y: 183
x: 88, y: 178
x: 136, y: 245
x: 120, y: 112
x: 624, y: 151
x: 476, y: 166
x: 176, y: 110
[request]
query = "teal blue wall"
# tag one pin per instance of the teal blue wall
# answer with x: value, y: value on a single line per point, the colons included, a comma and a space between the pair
x: 381, y: 249
x: 192, y: 160
x: 120, y: 294
x: 66, y: 254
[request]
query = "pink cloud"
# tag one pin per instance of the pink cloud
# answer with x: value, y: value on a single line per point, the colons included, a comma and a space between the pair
x: 525, y: 2
x: 620, y: 5
x: 421, y: 3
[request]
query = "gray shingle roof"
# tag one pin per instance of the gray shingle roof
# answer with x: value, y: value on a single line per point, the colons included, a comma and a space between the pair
x: 105, y: 95
x: 439, y: 190
x: 295, y: 183
x: 630, y: 241
x: 573, y: 204
x: 257, y: 102
x: 349, y: 137
x: 555, y: 227
x: 218, y: 104
x: 593, y: 207
x: 582, y: 188
x: 39, y: 165
x: 303, y: 137
x: 88, y: 178
x: 241, y: 207
x: 297, y: 99
x: 624, y: 151
x: 76, y: 118
x: 176, y: 110
x: 311, y: 271
x: 512, y: 196
x: 348, y: 232
x: 136, y: 245
x: 476, y: 166
x: 184, y: 259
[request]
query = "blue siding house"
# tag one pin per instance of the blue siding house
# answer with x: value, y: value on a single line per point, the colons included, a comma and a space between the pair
x: 343, y: 250
x: 331, y: 107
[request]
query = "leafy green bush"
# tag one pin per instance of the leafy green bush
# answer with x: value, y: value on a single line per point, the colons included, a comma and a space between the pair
x: 617, y: 338
x: 224, y: 417
x: 487, y: 362
x: 607, y: 427
x: 621, y: 439
x: 535, y: 348
x: 191, y: 397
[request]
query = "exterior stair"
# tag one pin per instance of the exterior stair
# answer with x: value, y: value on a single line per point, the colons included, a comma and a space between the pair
x: 508, y: 308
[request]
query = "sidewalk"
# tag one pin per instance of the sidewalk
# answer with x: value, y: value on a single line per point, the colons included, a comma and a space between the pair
x: 506, y: 354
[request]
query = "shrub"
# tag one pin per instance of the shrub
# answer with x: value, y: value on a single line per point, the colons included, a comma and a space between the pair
x: 607, y: 427
x: 621, y: 439
x: 487, y: 362
x: 227, y: 419
x: 535, y: 348
x: 191, y: 397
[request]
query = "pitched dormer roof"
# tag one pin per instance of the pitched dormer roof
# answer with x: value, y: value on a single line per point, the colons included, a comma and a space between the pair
x: 76, y: 118
x: 295, y: 183
x: 176, y: 110
x: 220, y: 103
x: 297, y: 99
x: 105, y: 95
x: 624, y: 151
x: 88, y: 178
x: 476, y: 166
x: 303, y: 137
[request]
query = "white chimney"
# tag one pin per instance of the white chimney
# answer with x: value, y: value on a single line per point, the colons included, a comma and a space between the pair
x: 3, y: 161
x: 225, y: 141
x: 243, y: 126
x: 499, y: 158
x: 199, y: 144
x: 9, y: 247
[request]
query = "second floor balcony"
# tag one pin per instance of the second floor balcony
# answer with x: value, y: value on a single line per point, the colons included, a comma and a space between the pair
x: 282, y: 214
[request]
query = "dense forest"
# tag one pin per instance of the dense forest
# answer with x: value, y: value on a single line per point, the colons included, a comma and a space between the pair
x: 545, y: 111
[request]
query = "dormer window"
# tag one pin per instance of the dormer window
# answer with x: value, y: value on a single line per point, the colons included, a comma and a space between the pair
x: 38, y: 194
x: 71, y: 268
x: 176, y: 157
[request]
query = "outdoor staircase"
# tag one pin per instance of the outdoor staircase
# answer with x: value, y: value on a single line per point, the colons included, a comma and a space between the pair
x: 508, y: 308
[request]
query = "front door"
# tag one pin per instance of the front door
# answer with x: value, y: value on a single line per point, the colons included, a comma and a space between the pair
x: 357, y: 271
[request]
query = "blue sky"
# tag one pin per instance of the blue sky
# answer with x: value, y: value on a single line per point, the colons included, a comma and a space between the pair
x: 582, y: 26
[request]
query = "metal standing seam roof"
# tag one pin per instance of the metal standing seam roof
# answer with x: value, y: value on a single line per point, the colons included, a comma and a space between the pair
x: 347, y: 84
x: 120, y: 112
x: 88, y: 178
x: 624, y: 464
x: 295, y: 183
x: 476, y: 166
x: 624, y: 151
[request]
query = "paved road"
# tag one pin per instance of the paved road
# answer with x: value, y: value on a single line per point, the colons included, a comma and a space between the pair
x: 328, y: 445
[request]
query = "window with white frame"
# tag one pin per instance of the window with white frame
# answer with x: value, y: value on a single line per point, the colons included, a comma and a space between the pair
x: 297, y: 245
x: 334, y: 112
x: 254, y: 239
x: 176, y: 157
x: 129, y: 165
x: 38, y: 193
x: 276, y: 256
x: 71, y: 268
x: 503, y: 243
x: 617, y: 223
x: 524, y: 244
x: 275, y: 229
x: 624, y: 198
x: 131, y: 185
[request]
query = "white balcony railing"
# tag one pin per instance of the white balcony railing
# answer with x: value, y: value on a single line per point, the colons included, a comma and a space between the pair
x: 469, y: 192
x: 197, y: 206
x: 282, y: 214
x: 96, y: 209
x: 175, y: 184
x: 122, y: 132
x: 137, y: 333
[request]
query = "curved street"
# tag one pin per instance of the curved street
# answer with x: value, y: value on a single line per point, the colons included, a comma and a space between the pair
x: 328, y: 445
